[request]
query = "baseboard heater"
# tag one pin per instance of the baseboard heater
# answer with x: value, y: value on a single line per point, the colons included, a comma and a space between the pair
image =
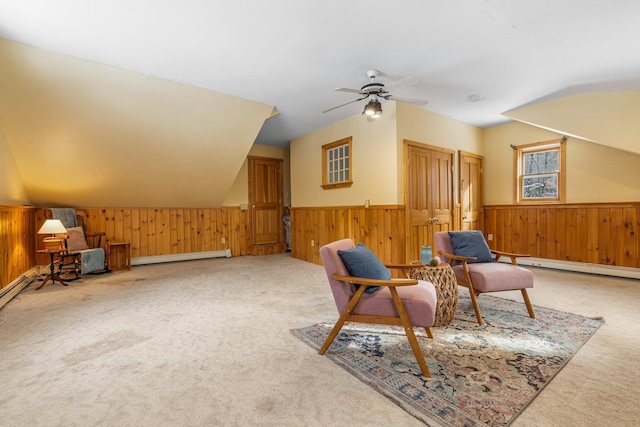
x: 580, y: 267
x: 15, y: 287
x: 157, y: 259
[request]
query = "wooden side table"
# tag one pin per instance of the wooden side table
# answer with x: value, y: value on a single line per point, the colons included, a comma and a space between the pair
x: 53, y: 276
x: 118, y: 256
x: 444, y: 280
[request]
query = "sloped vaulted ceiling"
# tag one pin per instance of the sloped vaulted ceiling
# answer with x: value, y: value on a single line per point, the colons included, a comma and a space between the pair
x: 90, y: 135
x: 609, y: 119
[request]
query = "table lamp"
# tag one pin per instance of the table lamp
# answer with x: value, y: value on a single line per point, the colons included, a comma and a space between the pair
x: 52, y: 227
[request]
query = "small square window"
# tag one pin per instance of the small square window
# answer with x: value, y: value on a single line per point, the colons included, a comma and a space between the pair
x: 336, y: 164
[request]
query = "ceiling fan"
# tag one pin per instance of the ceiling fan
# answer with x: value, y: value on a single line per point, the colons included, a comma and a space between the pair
x: 374, y: 91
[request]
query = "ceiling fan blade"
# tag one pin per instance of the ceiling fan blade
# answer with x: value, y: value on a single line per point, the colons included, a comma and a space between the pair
x: 409, y: 100
x: 400, y: 83
x: 346, y: 89
x: 346, y: 103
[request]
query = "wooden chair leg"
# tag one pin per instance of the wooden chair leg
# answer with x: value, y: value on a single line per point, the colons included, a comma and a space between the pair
x: 476, y: 307
x: 342, y: 319
x: 429, y: 332
x: 527, y: 302
x: 408, y: 329
x: 472, y: 293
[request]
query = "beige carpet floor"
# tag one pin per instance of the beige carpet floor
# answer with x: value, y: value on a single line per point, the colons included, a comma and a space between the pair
x: 207, y: 343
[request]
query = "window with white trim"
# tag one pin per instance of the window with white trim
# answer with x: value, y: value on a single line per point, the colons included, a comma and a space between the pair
x: 337, y: 164
x: 540, y: 172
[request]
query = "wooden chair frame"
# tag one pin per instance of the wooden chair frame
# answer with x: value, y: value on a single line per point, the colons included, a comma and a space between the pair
x: 402, y: 319
x: 474, y: 293
x: 69, y: 262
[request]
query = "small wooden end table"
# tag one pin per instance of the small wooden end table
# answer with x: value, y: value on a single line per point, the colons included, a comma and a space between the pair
x: 118, y: 256
x: 53, y: 276
x: 444, y: 279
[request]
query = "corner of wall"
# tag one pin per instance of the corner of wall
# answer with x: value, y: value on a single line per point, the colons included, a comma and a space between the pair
x: 12, y: 191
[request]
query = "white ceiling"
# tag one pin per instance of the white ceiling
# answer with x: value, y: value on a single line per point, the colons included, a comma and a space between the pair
x: 291, y: 54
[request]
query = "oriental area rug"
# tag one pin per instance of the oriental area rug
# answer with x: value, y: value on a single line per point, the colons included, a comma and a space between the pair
x: 480, y: 375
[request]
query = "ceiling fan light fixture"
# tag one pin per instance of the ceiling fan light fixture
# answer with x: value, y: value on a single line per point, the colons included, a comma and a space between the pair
x: 373, y: 109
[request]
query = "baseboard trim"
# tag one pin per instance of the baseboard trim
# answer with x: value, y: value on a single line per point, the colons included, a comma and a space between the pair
x: 580, y: 267
x: 180, y: 257
x: 16, y: 286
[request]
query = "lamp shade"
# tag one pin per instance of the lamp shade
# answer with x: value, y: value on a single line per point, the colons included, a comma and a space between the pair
x: 52, y: 226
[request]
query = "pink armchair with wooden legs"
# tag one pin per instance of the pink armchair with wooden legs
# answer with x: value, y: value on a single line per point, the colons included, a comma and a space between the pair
x: 476, y: 269
x: 402, y: 302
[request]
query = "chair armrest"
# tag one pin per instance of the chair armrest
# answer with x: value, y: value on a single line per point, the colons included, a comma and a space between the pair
x: 406, y: 267
x: 375, y: 282
x: 509, y: 254
x: 403, y: 266
x: 99, y: 233
x: 462, y: 259
x: 94, y: 240
x: 513, y: 256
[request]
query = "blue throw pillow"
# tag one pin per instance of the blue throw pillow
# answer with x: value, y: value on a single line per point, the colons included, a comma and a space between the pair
x: 361, y: 262
x: 471, y: 243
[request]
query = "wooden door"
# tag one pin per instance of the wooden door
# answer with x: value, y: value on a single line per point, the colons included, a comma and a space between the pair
x: 441, y: 190
x: 428, y: 194
x: 471, y: 184
x: 265, y: 199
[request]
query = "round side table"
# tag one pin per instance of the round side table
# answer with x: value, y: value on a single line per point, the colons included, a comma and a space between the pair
x: 444, y: 279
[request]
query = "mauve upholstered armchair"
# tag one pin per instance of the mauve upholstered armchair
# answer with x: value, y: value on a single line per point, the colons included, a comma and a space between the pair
x: 475, y: 268
x: 403, y: 302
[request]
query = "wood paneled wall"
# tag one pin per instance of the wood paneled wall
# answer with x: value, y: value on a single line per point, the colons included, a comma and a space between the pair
x: 606, y: 233
x: 17, y: 242
x: 166, y: 231
x: 381, y: 228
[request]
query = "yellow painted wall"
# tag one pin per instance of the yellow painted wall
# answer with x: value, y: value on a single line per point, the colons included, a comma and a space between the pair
x: 86, y: 134
x: 375, y: 163
x: 12, y: 192
x: 421, y: 125
x: 595, y: 173
x: 239, y: 192
x: 378, y: 163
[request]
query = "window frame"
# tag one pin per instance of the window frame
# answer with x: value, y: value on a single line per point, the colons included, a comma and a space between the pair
x: 326, y: 182
x: 518, y: 161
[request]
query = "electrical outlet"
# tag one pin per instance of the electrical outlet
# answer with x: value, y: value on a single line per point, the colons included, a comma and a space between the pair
x: 489, y: 237
x: 366, y: 203
x: 313, y: 243
x: 224, y: 240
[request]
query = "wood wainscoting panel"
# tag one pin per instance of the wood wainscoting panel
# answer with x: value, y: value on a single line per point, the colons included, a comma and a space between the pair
x: 168, y: 231
x: 381, y: 228
x: 17, y: 242
x: 595, y: 233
